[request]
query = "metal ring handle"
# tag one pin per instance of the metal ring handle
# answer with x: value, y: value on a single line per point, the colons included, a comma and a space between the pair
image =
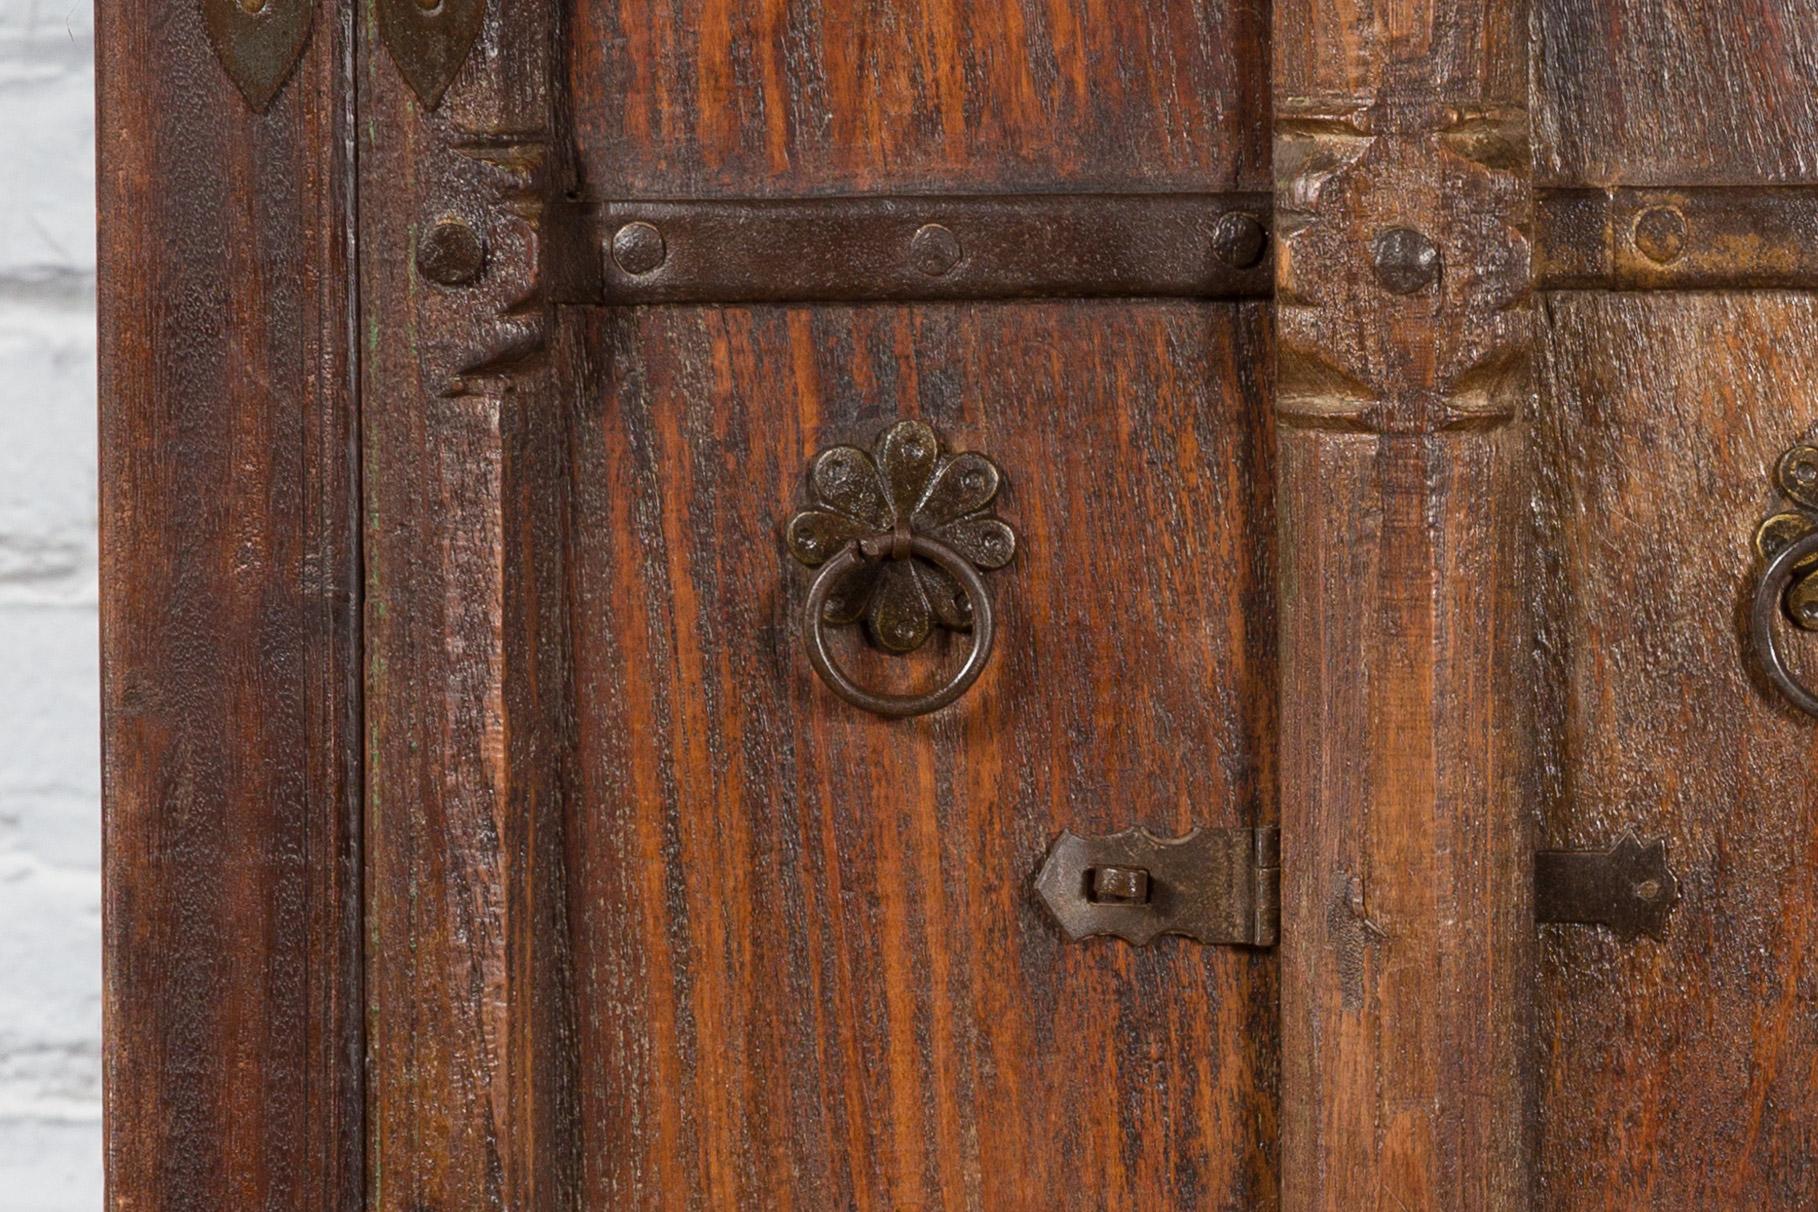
x: 1774, y: 581
x: 814, y: 634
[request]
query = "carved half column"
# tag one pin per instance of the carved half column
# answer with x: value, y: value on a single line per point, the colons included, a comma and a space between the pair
x: 1405, y: 334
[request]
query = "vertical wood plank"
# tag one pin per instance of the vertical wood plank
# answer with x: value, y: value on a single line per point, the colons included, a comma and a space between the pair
x: 814, y: 972
x: 1675, y: 1073
x: 466, y: 654
x: 230, y: 691
x: 1405, y: 334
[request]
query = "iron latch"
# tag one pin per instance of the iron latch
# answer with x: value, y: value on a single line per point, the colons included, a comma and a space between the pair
x: 1224, y: 886
x: 1213, y: 885
x: 1627, y: 888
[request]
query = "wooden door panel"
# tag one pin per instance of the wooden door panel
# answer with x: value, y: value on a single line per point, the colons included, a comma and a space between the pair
x: 1675, y: 92
x: 809, y: 966
x: 1675, y: 1074
x: 785, y: 97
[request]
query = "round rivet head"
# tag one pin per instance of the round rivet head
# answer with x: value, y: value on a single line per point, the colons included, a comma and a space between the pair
x: 1239, y: 240
x: 1660, y: 234
x: 638, y: 248
x: 1405, y: 260
x: 1797, y: 475
x: 451, y: 254
x: 934, y: 250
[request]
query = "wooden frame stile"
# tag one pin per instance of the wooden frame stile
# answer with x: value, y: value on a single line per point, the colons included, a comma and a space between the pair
x: 1403, y: 405
x: 230, y: 622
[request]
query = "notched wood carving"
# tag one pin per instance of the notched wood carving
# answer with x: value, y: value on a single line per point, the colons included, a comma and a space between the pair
x: 1417, y: 218
x: 259, y: 42
x: 430, y: 40
x: 478, y: 337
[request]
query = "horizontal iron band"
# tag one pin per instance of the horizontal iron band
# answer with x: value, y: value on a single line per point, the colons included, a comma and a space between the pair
x: 1166, y: 245
x: 928, y: 248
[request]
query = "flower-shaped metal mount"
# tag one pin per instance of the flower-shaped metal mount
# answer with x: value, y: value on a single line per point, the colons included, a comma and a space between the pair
x: 904, y: 489
x: 899, y: 536
x: 1788, y: 542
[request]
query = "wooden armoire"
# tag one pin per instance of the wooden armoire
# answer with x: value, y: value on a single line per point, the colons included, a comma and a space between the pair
x: 994, y: 605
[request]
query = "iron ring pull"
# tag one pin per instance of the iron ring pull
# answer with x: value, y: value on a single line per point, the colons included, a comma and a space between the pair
x: 814, y: 632
x: 1774, y: 582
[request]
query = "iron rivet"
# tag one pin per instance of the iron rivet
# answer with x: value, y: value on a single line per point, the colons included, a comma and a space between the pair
x: 1660, y: 234
x: 1797, y: 475
x: 1239, y: 240
x: 1120, y: 886
x: 638, y: 248
x: 451, y: 254
x: 934, y: 250
x: 1405, y: 260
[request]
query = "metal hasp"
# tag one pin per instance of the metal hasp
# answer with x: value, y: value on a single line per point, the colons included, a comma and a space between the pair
x: 1627, y: 887
x: 258, y: 42
x: 1787, y: 542
x: 899, y: 535
x: 1212, y: 886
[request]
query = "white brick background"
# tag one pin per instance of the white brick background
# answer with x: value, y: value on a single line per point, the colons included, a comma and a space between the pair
x: 50, y: 885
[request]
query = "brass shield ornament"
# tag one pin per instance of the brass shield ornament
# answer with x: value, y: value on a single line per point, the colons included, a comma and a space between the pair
x: 259, y: 42
x: 430, y: 40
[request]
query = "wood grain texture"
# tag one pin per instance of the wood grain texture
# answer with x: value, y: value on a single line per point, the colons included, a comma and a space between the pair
x: 782, y: 97
x: 812, y: 969
x: 1676, y: 1074
x: 1676, y: 92
x: 1406, y: 890
x: 466, y: 655
x: 230, y: 637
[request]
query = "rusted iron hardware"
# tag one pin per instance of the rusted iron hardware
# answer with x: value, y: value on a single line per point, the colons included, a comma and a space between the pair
x: 899, y: 535
x: 860, y: 249
x: 430, y: 40
x: 259, y: 42
x: 1212, y: 886
x: 1224, y: 886
x: 1627, y: 888
x: 1788, y: 590
x: 1687, y: 238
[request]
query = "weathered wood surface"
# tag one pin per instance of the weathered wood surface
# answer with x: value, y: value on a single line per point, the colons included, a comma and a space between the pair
x: 1676, y: 1074
x: 754, y: 98
x: 1675, y: 92
x: 812, y: 970
x: 1406, y: 897
x: 230, y: 638
x: 466, y: 662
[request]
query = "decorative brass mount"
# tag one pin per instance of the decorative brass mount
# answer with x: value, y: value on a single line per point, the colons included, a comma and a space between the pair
x: 260, y: 42
x: 899, y: 535
x: 1788, y: 542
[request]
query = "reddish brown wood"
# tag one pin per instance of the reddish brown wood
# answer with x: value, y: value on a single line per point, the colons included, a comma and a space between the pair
x: 1676, y: 1074
x: 1406, y: 903
x: 1675, y: 92
x: 1679, y: 1073
x: 814, y: 971
x: 230, y: 639
x: 754, y: 98
x: 466, y: 656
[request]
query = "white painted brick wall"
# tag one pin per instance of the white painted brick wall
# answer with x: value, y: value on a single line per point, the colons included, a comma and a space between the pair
x: 50, y: 885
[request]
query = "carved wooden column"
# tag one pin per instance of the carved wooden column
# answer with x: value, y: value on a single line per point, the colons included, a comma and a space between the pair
x: 466, y: 662
x: 1403, y: 198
